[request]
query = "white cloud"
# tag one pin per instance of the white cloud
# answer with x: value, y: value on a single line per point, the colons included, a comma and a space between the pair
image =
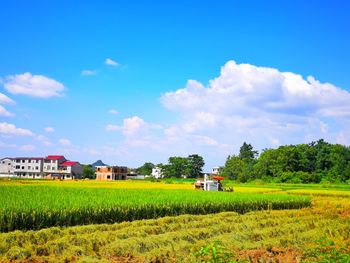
x: 49, y: 129
x: 88, y: 72
x: 33, y: 85
x: 257, y: 104
x: 204, y: 140
x: 11, y: 129
x: 44, y: 140
x: 130, y: 126
x: 4, y: 112
x: 5, y: 99
x: 113, y: 111
x: 111, y: 62
x: 27, y: 147
x: 245, y: 88
x: 65, y: 142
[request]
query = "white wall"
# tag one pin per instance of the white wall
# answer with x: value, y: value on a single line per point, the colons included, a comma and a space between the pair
x: 6, y: 166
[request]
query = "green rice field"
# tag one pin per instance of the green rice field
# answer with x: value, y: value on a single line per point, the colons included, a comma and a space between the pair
x: 31, y: 207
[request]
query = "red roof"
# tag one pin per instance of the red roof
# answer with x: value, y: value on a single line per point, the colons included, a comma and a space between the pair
x: 54, y: 157
x: 68, y: 163
x: 219, y: 178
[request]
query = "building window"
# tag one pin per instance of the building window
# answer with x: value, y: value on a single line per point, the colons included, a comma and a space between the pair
x: 37, y: 161
x: 18, y: 167
x: 98, y: 169
x: 37, y: 167
x: 108, y: 177
x: 29, y: 167
x: 22, y: 167
x: 23, y: 161
x: 17, y: 161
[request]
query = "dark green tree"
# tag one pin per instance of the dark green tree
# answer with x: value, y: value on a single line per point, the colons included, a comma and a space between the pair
x: 176, y: 167
x: 145, y: 169
x: 246, y: 152
x: 195, y: 165
x: 233, y: 168
x: 88, y: 172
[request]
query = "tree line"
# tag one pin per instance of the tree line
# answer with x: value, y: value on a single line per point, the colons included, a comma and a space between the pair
x: 303, y: 163
x: 178, y: 167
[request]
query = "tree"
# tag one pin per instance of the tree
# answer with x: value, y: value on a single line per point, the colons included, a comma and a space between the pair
x: 177, y: 167
x: 246, y: 152
x: 233, y: 168
x: 145, y: 169
x: 195, y: 165
x: 88, y: 172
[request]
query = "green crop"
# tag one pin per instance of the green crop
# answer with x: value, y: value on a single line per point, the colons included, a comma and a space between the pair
x: 29, y: 207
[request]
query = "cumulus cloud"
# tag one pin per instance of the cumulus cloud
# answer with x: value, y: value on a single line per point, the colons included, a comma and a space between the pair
x: 111, y: 62
x: 33, y: 85
x: 113, y: 111
x: 5, y: 99
x: 244, y: 88
x: 11, y: 129
x: 130, y: 126
x: 49, y: 129
x: 88, y: 72
x: 259, y: 104
x: 4, y: 112
x: 64, y: 142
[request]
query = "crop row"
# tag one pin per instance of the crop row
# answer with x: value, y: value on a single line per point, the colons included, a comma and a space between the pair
x: 169, y: 239
x: 35, y: 207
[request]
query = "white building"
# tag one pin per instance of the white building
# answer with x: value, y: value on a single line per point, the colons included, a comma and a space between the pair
x: 6, y: 167
x: 69, y: 170
x: 216, y: 170
x: 28, y: 167
x: 52, y: 162
x: 53, y: 166
x: 157, y: 172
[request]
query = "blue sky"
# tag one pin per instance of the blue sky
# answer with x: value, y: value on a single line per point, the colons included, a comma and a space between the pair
x: 54, y: 74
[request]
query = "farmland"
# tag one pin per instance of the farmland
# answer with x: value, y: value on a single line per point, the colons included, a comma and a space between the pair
x: 184, y: 233
x: 30, y: 206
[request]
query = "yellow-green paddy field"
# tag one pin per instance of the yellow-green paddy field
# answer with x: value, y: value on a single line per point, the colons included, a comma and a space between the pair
x: 145, y: 221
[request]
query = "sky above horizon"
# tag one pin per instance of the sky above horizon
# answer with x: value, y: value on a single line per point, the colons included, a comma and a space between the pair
x: 129, y: 82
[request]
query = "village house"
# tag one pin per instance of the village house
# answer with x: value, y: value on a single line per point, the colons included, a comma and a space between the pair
x: 157, y: 172
x: 53, y: 166
x: 111, y: 173
x: 6, y: 167
x: 28, y: 167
